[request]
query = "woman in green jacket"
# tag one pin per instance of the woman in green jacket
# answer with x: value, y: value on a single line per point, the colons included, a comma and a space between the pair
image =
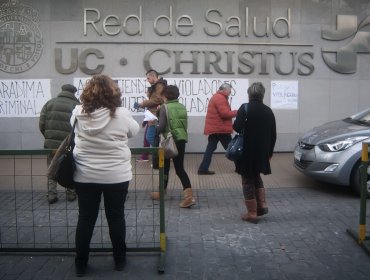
x: 178, y: 122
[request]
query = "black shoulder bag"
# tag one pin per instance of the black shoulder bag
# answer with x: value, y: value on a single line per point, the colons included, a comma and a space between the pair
x: 62, y: 166
x: 235, y: 148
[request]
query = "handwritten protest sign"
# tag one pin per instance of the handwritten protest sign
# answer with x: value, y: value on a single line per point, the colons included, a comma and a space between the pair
x: 194, y: 92
x: 23, y: 98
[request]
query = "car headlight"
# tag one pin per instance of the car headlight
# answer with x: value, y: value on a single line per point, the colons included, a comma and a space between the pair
x: 341, y: 145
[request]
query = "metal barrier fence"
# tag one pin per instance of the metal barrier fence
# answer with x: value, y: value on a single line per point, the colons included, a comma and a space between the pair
x: 29, y: 224
x: 360, y: 236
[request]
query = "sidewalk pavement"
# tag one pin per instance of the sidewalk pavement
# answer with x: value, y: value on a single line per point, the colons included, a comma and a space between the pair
x: 302, y: 237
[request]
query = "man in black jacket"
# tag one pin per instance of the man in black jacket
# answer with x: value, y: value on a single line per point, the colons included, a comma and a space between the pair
x: 55, y: 126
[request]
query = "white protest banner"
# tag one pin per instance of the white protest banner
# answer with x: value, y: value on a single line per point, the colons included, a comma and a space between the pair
x: 23, y: 98
x: 284, y: 95
x: 194, y: 92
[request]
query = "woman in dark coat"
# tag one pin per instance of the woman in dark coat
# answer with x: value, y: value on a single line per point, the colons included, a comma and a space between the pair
x: 259, y: 125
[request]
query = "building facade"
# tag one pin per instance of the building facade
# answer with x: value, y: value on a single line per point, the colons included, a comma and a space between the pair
x: 313, y: 57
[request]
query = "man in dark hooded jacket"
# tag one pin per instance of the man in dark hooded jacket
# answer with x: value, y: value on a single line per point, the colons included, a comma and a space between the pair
x: 55, y: 126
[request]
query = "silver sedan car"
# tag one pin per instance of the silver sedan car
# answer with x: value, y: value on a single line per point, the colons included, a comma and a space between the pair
x: 332, y: 152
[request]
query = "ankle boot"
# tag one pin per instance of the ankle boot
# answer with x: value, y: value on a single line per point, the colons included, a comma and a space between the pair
x: 251, y: 215
x: 188, y: 198
x: 261, y: 202
x: 155, y: 195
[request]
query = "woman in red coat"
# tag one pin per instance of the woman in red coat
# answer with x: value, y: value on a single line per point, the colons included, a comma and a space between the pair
x: 259, y: 127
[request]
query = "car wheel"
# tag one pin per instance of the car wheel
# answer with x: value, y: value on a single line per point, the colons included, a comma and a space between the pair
x: 355, y: 180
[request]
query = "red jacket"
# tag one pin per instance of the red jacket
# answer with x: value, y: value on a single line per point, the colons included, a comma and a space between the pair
x: 219, y: 115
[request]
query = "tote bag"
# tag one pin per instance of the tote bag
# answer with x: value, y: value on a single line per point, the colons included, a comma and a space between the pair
x: 169, y: 146
x: 168, y: 143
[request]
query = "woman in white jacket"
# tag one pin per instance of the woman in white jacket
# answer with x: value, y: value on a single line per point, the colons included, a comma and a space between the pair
x: 103, y: 166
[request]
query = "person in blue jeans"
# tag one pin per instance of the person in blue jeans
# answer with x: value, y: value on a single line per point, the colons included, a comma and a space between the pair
x: 103, y: 166
x: 144, y: 156
x: 218, y: 125
x: 155, y: 99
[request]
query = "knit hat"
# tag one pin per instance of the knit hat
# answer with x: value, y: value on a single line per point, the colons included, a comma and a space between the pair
x: 69, y: 87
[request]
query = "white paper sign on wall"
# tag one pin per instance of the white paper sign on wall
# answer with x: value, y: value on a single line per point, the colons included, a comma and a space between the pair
x: 284, y: 95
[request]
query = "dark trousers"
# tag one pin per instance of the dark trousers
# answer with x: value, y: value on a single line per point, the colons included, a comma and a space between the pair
x: 213, y: 140
x: 89, y: 196
x: 178, y: 162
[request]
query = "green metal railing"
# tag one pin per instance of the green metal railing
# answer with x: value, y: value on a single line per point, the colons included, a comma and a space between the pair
x: 29, y: 224
x: 360, y: 236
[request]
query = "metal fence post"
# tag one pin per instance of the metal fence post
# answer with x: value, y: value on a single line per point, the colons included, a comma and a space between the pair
x: 162, y: 242
x: 360, y: 236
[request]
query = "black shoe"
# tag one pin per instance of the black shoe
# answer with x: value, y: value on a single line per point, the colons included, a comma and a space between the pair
x: 71, y: 197
x: 80, y: 270
x: 52, y: 200
x: 119, y: 264
x: 205, y: 172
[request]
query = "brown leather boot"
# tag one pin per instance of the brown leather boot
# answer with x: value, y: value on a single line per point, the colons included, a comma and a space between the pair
x: 251, y: 215
x: 188, y: 199
x: 261, y: 202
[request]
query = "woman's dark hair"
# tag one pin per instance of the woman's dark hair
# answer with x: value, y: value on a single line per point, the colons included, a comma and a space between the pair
x: 101, y: 92
x: 171, y: 92
x: 256, y: 91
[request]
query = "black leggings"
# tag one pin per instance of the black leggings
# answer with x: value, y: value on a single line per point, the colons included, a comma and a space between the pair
x: 89, y: 196
x: 178, y: 162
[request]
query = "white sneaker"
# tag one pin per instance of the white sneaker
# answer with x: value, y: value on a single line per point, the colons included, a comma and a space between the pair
x: 142, y: 160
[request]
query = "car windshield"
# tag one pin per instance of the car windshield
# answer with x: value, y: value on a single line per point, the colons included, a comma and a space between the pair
x: 360, y: 118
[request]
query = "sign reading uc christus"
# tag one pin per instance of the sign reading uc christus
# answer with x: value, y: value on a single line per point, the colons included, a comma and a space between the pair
x: 20, y: 37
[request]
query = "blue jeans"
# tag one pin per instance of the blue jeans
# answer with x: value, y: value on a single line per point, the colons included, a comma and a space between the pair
x: 150, y: 134
x: 89, y: 196
x: 213, y: 140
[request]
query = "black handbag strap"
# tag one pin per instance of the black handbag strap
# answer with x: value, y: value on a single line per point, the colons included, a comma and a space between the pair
x: 245, y: 110
x: 72, y: 134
